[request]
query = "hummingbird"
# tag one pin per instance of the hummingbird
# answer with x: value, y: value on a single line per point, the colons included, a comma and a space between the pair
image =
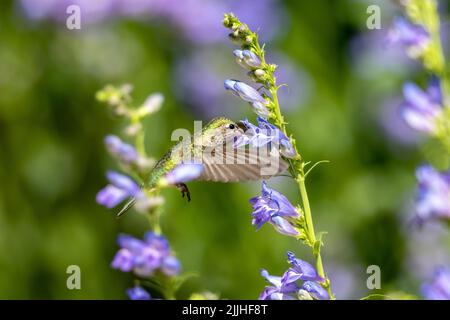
x: 221, y: 161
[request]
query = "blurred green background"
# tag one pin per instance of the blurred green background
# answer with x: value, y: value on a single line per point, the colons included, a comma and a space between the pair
x: 52, y: 157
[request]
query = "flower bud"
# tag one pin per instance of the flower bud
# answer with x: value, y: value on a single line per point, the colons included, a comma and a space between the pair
x: 260, y: 74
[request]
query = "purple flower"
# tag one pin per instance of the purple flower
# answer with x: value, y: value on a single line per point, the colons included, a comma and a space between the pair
x: 120, y: 188
x: 422, y: 108
x: 433, y: 199
x: 273, y: 207
x: 144, y: 257
x: 301, y: 270
x: 138, y: 293
x: 287, y: 286
x: 263, y: 134
x: 247, y: 59
x: 278, y: 290
x: 439, y: 287
x: 184, y: 172
x: 250, y: 95
x: 316, y: 291
x: 286, y: 147
x: 254, y: 136
x: 171, y: 266
x: 414, y: 37
x: 125, y: 152
x: 123, y: 260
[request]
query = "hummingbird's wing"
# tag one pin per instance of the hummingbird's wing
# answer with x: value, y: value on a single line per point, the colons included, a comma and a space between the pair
x: 241, y: 164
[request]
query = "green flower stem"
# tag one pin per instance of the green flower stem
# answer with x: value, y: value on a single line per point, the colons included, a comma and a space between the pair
x: 297, y: 169
x: 249, y: 40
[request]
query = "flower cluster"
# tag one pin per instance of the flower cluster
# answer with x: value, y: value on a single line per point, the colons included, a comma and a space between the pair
x: 287, y: 287
x: 150, y: 258
x: 271, y: 206
x: 145, y: 257
x: 428, y: 111
x: 433, y: 198
x: 439, y: 287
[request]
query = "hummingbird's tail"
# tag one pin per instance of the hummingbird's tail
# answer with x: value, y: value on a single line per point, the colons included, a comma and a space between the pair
x: 127, y: 207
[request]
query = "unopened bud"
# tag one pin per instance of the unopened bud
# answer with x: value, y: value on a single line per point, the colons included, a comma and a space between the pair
x: 260, y: 74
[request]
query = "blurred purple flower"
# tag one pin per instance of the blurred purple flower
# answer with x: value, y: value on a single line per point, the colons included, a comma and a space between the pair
x: 370, y: 57
x: 171, y: 266
x: 413, y: 37
x: 422, y: 108
x: 198, y: 20
x: 124, y: 151
x: 273, y: 207
x: 144, y: 257
x: 138, y: 293
x: 184, y: 172
x: 120, y: 188
x: 433, y: 198
x: 439, y: 287
x: 394, y: 126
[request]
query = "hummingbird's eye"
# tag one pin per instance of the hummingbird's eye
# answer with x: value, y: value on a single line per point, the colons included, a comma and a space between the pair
x: 232, y: 126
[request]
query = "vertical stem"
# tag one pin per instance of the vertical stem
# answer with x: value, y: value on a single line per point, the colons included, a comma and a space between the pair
x: 300, y: 178
x: 310, y: 230
x: 140, y: 143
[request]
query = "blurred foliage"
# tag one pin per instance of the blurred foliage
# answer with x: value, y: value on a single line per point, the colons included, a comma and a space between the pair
x: 53, y: 160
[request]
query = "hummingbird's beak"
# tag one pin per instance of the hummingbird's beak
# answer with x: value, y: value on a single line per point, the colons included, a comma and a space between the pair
x: 242, y: 125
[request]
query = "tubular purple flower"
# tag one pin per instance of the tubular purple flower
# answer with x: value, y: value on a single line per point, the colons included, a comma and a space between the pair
x: 147, y: 261
x: 277, y: 135
x: 414, y: 37
x: 301, y: 270
x: 171, y: 266
x: 439, y: 287
x: 263, y: 134
x: 145, y: 257
x: 315, y: 290
x: 184, y: 173
x: 157, y: 241
x: 110, y: 196
x: 273, y: 207
x: 277, y: 290
x: 283, y: 226
x: 247, y: 59
x: 433, y: 197
x: 421, y: 109
x: 125, y: 152
x: 120, y: 188
x: 123, y: 260
x: 248, y: 94
x: 138, y: 293
x: 253, y: 135
x: 123, y: 182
